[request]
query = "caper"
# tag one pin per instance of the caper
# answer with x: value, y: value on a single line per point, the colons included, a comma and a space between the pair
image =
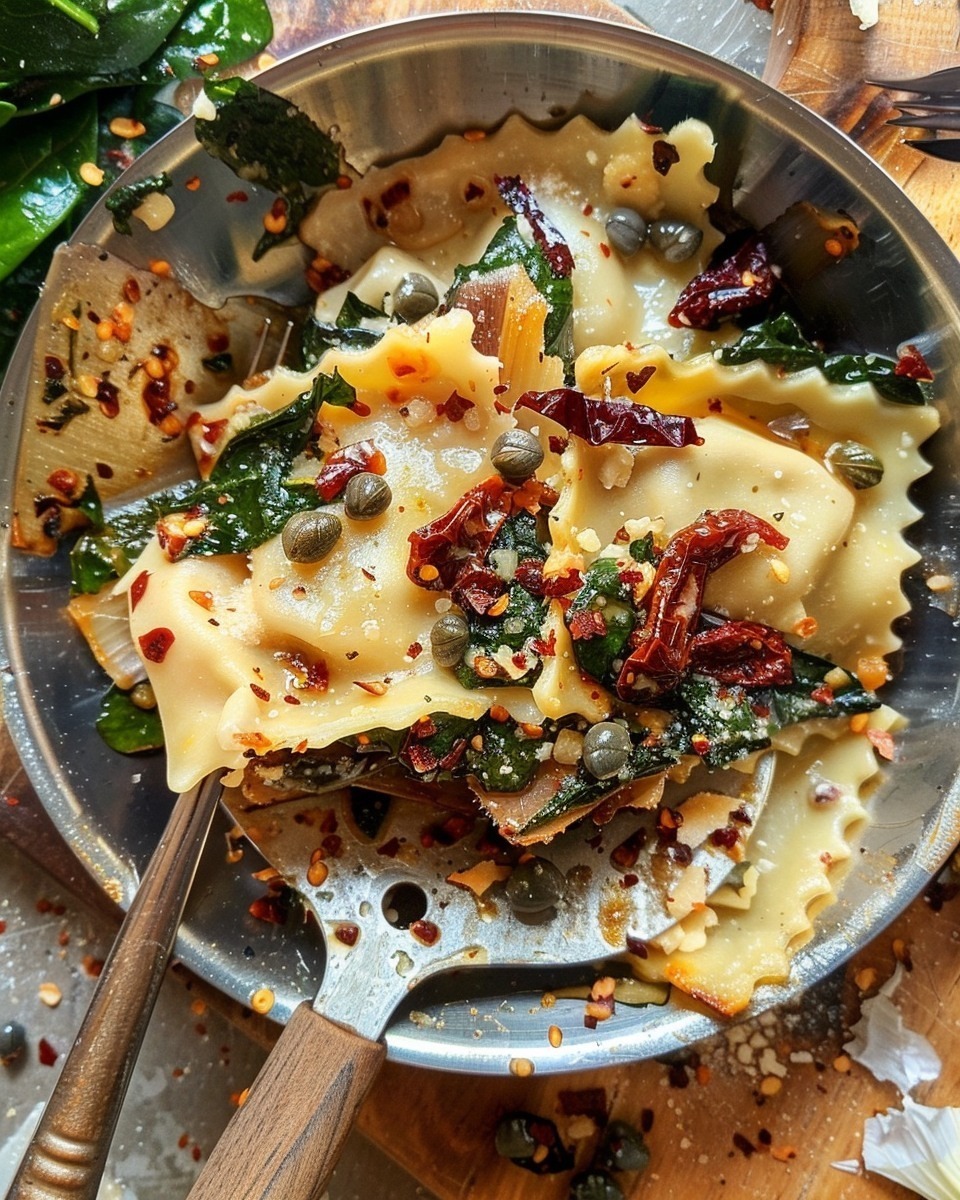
x: 142, y: 696
x: 626, y: 231
x: 513, y: 1138
x: 676, y: 240
x: 855, y: 463
x: 623, y: 1148
x: 533, y: 1143
x: 414, y: 297
x: 516, y: 454
x: 366, y: 496
x: 535, y: 885
x: 309, y: 536
x: 13, y: 1042
x: 606, y: 749
x: 448, y: 640
x: 594, y: 1185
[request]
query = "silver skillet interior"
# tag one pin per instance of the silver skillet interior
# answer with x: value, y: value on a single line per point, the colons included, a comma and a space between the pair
x: 396, y: 89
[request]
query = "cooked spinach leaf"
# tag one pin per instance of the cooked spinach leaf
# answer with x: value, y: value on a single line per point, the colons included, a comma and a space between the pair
x: 346, y: 334
x: 508, y: 248
x: 126, y: 200
x: 780, y: 342
x: 601, y: 619
x: 507, y: 759
x: 127, y: 728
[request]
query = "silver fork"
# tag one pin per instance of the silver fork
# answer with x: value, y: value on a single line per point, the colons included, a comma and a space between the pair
x: 936, y: 107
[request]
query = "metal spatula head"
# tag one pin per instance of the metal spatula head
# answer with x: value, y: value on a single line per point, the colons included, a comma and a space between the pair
x: 422, y: 892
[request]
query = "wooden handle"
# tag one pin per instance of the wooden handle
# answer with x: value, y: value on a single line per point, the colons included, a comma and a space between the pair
x: 69, y: 1149
x: 284, y: 1142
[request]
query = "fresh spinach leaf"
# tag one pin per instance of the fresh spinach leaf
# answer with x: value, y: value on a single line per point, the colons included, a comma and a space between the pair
x: 780, y: 342
x: 509, y: 248
x: 41, y: 184
x: 127, y: 728
x: 232, y: 30
x: 7, y: 110
x: 127, y: 199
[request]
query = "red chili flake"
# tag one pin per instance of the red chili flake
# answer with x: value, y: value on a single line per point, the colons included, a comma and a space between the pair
x: 414, y: 650
x: 676, y: 597
x: 155, y: 645
x: 725, y: 838
x: 586, y: 624
x: 715, y: 405
x: 270, y: 908
x: 473, y: 191
x: 46, y: 1053
x: 635, y: 380
x: 741, y: 282
x: 137, y: 589
x: 344, y: 464
x: 290, y: 700
x: 744, y: 1145
x: 196, y: 1153
x: 584, y: 1102
x: 745, y: 653
x: 627, y: 853
x: 64, y: 480
x: 823, y: 694
x: 260, y: 693
x: 104, y: 470
x: 309, y: 675
x: 599, y: 422
x: 629, y: 881
x: 545, y: 648
x: 390, y: 849
x: 53, y: 368
x: 332, y: 845
x: 3, y: 926
x: 323, y: 274
x: 328, y: 822
x: 237, y: 197
x: 368, y: 575
x: 183, y: 1141
x: 562, y: 584
x: 157, y: 396
x: 558, y: 444
x: 11, y: 801
x: 912, y: 365
x: 108, y: 397
x: 882, y: 742
x: 347, y: 934
x: 677, y: 1075
x: 517, y: 195
x: 529, y: 574
x: 455, y: 407
x: 426, y: 932
x: 665, y: 154
x: 605, y: 250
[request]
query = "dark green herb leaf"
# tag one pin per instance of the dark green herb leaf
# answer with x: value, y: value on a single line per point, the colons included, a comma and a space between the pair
x: 333, y: 389
x: 265, y: 139
x: 354, y: 310
x: 780, y: 342
x: 39, y: 170
x: 7, y: 110
x: 508, y: 758
x: 317, y: 338
x: 507, y: 249
x: 88, y: 502
x: 125, y: 200
x: 233, y: 30
x: 127, y: 728
x: 603, y: 592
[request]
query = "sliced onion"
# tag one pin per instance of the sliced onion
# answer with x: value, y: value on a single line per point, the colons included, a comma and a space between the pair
x: 104, y: 621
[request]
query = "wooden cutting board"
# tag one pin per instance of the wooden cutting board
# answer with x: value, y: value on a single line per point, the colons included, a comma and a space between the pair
x: 760, y: 1113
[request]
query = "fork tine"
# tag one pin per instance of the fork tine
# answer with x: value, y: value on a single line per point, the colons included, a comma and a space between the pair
x: 936, y: 84
x: 944, y: 104
x: 258, y: 349
x: 942, y: 120
x: 947, y: 149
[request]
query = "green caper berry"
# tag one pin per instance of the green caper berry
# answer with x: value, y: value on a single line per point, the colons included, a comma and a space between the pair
x: 606, y: 749
x: 309, y: 536
x: 855, y: 463
x: 676, y: 240
x: 623, y: 1148
x: 626, y: 231
x: 414, y: 297
x: 141, y: 696
x: 516, y: 454
x: 513, y: 1138
x: 535, y: 885
x: 448, y: 640
x: 594, y: 1185
x: 13, y: 1042
x: 366, y: 496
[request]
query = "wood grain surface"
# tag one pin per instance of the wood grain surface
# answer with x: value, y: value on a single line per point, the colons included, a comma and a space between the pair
x: 764, y: 1110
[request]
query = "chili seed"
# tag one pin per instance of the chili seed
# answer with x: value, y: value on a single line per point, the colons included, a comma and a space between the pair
x: 623, y: 1148
x: 49, y: 994
x: 676, y: 240
x: 535, y: 885
x: 606, y: 749
x: 415, y: 297
x: 626, y: 231
x: 516, y: 454
x: 262, y: 1000
x: 13, y: 1042
x: 448, y: 640
x: 855, y: 463
x: 366, y: 496
x: 310, y: 536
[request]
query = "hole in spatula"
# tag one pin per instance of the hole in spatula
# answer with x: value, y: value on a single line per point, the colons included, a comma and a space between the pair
x: 404, y: 904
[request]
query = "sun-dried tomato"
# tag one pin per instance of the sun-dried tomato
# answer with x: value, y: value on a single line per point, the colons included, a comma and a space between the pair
x: 518, y: 196
x: 912, y: 365
x: 529, y: 574
x: 343, y: 464
x: 562, y: 584
x: 599, y: 422
x: 743, y: 652
x: 735, y: 282
x: 663, y: 644
x: 476, y: 586
x: 470, y: 526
